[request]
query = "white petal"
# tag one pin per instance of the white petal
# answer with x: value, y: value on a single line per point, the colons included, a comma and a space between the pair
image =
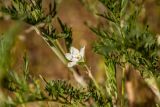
x: 71, y: 64
x: 74, y: 59
x: 74, y: 51
x: 82, y: 51
x: 68, y: 56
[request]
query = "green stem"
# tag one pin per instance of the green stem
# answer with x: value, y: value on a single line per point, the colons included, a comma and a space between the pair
x: 91, y: 77
x: 59, y: 46
x: 94, y: 81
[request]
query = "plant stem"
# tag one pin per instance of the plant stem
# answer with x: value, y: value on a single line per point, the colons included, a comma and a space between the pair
x: 94, y: 81
x: 91, y: 77
x: 59, y: 46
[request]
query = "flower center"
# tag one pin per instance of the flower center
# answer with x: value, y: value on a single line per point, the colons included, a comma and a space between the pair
x: 78, y: 56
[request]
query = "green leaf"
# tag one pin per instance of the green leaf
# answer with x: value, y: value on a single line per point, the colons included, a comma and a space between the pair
x: 67, y: 34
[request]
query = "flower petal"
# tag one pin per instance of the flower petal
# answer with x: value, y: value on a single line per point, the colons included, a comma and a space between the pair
x: 68, y: 56
x: 74, y: 59
x: 82, y: 51
x: 74, y: 51
x: 71, y: 64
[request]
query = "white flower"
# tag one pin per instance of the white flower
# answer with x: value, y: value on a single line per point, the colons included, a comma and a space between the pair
x: 75, y: 56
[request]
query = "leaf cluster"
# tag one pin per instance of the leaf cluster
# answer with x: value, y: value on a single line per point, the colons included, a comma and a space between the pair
x: 26, y: 88
x: 33, y: 13
x: 62, y: 90
x: 126, y: 40
x: 30, y: 90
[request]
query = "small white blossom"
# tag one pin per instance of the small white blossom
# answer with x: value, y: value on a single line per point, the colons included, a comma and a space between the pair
x: 75, y: 56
